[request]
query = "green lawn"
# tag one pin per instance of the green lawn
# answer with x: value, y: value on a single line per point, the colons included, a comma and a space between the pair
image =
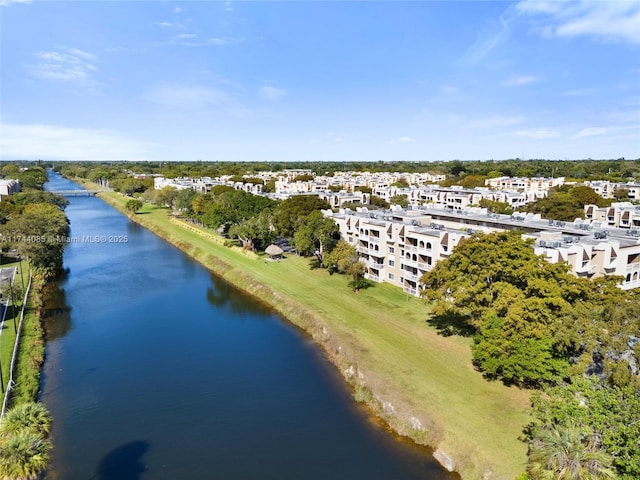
x: 382, y: 332
x: 8, y: 337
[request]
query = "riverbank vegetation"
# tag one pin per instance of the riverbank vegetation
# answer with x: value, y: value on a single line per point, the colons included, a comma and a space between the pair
x: 467, y: 173
x: 24, y: 441
x: 423, y: 384
x: 572, y: 339
x: 32, y: 225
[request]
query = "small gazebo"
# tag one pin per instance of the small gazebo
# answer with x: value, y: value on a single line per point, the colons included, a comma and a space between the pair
x: 274, y: 251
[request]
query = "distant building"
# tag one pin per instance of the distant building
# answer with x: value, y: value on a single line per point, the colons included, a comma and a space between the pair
x: 536, y: 185
x: 8, y: 187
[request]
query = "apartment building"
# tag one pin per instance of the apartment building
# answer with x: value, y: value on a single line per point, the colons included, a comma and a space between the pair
x: 537, y: 185
x: 608, y: 189
x: 8, y: 187
x: 623, y: 215
x: 399, y: 246
x: 455, y: 197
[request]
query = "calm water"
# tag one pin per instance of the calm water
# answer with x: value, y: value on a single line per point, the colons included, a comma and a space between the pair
x: 158, y: 370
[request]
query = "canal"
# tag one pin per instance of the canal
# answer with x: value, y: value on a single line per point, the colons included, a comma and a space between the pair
x: 155, y: 369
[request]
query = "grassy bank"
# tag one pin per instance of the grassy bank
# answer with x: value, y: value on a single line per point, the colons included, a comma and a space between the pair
x: 8, y: 335
x: 31, y: 350
x: 422, y: 384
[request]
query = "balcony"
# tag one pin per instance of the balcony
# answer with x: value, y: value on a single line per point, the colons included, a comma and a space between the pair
x: 411, y: 276
x: 411, y: 291
x: 374, y: 278
x: 411, y: 248
x: 424, y: 266
x: 406, y: 261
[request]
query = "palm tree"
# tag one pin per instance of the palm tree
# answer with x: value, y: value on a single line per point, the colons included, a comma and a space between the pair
x: 30, y: 417
x: 568, y: 452
x: 23, y: 456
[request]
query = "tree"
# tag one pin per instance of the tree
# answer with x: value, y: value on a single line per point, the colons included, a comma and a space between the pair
x: 472, y: 181
x: 22, y: 199
x: 316, y: 235
x: 129, y: 185
x: 40, y: 233
x: 32, y: 417
x: 400, y: 200
x: 401, y: 183
x: 566, y: 203
x: 184, y: 200
x: 292, y: 212
x: 621, y: 194
x: 568, y: 452
x: 166, y: 196
x: 602, y: 416
x: 344, y: 259
x: 24, y: 448
x: 520, y: 308
x: 269, y: 186
x: 23, y: 456
x: 254, y: 232
x: 496, y: 207
x: 32, y: 178
x: 133, y: 205
x: 305, y: 177
x: 378, y: 202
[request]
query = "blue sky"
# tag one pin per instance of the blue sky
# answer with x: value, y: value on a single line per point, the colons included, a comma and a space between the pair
x: 331, y: 81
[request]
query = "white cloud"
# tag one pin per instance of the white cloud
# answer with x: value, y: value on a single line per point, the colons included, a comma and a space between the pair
x: 33, y: 141
x: 617, y: 21
x: 6, y: 3
x: 164, y: 24
x: 228, y: 7
x: 488, y: 39
x: 182, y: 36
x: 272, y: 93
x: 189, y: 97
x: 518, y: 81
x: 66, y: 65
x: 591, y: 131
x: 538, y: 134
x: 178, y: 10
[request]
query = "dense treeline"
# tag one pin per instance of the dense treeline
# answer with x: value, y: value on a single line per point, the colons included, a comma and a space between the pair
x: 33, y: 222
x: 469, y: 173
x: 574, y: 340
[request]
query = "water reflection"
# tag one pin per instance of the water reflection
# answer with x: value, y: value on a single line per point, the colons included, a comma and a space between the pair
x: 57, y: 313
x: 222, y: 294
x: 124, y: 462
